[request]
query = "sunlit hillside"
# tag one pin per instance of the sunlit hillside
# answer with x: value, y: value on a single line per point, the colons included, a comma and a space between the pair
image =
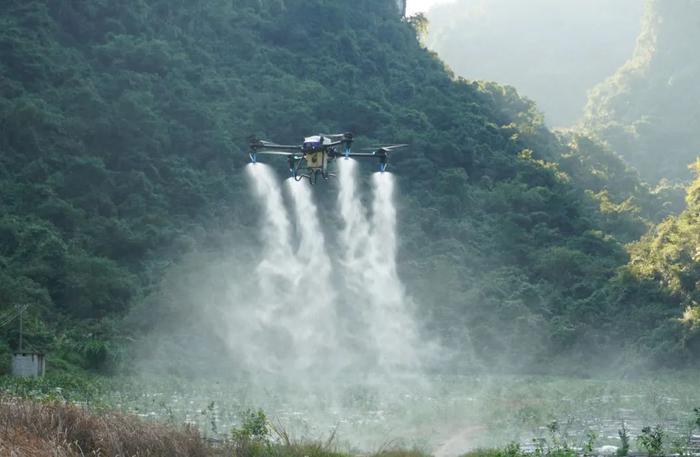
x: 648, y: 110
x: 552, y: 51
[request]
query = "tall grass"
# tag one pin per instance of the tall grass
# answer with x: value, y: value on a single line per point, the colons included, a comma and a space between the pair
x: 58, y: 429
x: 30, y: 428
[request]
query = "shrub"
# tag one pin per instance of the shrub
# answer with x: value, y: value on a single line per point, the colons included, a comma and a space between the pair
x: 624, y: 448
x: 651, y: 439
x: 252, y: 438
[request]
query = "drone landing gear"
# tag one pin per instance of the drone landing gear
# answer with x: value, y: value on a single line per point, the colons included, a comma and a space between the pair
x: 294, y: 170
x: 382, y: 165
x: 313, y: 176
x: 298, y: 172
x: 253, y: 157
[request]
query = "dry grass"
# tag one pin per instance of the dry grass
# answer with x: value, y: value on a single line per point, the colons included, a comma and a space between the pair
x: 62, y: 430
x: 56, y: 429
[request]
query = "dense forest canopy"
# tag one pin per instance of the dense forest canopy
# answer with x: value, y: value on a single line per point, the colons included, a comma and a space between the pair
x: 123, y: 140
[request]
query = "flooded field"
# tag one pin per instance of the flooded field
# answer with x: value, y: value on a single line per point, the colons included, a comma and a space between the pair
x: 446, y: 415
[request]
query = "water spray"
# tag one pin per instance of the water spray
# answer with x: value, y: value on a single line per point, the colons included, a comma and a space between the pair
x: 320, y: 310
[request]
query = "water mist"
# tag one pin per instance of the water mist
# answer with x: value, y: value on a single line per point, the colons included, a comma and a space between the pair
x: 314, y: 294
x: 369, y: 261
x: 310, y: 309
x: 306, y: 317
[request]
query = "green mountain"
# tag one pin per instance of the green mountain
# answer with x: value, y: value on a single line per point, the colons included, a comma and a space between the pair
x: 552, y: 51
x: 648, y: 111
x: 123, y: 140
x: 662, y: 280
x: 670, y: 253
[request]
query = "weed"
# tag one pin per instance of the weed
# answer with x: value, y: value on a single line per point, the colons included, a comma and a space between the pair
x: 679, y: 446
x: 652, y: 440
x: 624, y: 448
x: 557, y: 446
x: 252, y: 438
x: 589, y: 445
x: 210, y: 413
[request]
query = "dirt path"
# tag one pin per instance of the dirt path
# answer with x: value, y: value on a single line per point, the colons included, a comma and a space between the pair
x: 459, y: 442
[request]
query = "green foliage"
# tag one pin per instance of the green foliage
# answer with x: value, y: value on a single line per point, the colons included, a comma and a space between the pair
x: 123, y: 139
x: 252, y: 438
x: 589, y: 444
x: 556, y: 445
x: 624, y: 448
x: 679, y: 446
x: 55, y: 387
x: 95, y: 353
x: 652, y: 440
x: 254, y: 427
x: 420, y: 24
x: 666, y: 259
x: 671, y: 252
x: 5, y: 358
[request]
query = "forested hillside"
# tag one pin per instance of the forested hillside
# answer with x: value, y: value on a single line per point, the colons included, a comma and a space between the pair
x: 670, y: 255
x: 553, y: 52
x: 648, y: 111
x: 123, y: 137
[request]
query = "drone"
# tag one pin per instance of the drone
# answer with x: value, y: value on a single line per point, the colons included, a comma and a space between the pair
x: 311, y: 158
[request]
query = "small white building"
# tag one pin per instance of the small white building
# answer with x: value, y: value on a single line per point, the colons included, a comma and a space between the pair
x: 28, y: 364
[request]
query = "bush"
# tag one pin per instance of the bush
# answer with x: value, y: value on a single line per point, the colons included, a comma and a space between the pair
x: 252, y: 438
x: 624, y: 448
x: 652, y: 440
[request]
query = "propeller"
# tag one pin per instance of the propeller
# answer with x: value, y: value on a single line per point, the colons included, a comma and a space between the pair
x: 337, y: 136
x: 388, y: 148
x: 277, y: 153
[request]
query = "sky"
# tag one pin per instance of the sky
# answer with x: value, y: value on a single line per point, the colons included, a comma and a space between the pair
x: 420, y: 6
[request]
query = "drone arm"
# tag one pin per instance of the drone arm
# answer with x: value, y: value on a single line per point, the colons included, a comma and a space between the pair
x: 281, y: 151
x: 363, y: 154
x: 262, y: 145
x: 381, y: 152
x: 276, y: 147
x: 278, y: 152
x: 258, y: 146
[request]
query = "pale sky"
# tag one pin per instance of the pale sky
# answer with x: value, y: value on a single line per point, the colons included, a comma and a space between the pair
x: 421, y: 6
